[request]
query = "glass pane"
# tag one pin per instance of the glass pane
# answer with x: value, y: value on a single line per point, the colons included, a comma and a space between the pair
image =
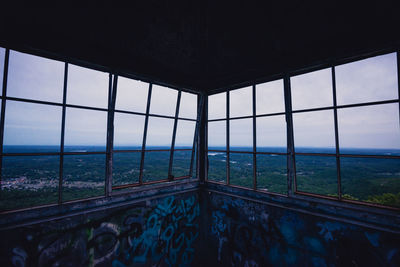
x: 87, y: 87
x: 217, y: 135
x: 241, y: 102
x: 29, y: 181
x: 314, y: 132
x: 217, y: 106
x: 188, y: 106
x: 2, y: 58
x: 85, y: 130
x: 128, y: 131
x: 371, y: 180
x: 185, y: 134
x: 181, y: 166
x: 241, y: 135
x: 32, y: 127
x: 163, y: 100
x: 126, y: 168
x: 241, y: 169
x: 217, y: 167
x: 372, y: 79
x: 316, y: 175
x: 369, y: 127
x: 272, y: 173
x: 35, y: 77
x: 159, y: 133
x: 312, y: 90
x: 270, y: 97
x: 271, y: 134
x: 84, y: 176
x: 131, y: 95
x: 156, y: 166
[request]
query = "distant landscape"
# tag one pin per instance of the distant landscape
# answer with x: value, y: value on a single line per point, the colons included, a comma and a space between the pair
x: 33, y: 180
x: 363, y: 179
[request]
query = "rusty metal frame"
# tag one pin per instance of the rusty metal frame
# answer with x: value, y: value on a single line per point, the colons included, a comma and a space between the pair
x: 171, y: 155
x: 200, y: 108
x: 254, y: 151
x: 61, y: 172
x: 290, y: 161
x: 144, y: 149
x: 146, y: 123
x: 228, y: 148
x: 291, y: 154
x: 112, y: 95
x: 254, y: 100
x: 109, y: 151
x: 3, y: 108
x: 337, y: 153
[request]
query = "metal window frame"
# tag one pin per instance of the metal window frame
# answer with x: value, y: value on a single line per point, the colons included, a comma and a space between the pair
x: 254, y: 152
x: 108, y: 153
x: 291, y: 153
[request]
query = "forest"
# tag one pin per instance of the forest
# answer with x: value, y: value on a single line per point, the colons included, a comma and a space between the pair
x: 29, y: 181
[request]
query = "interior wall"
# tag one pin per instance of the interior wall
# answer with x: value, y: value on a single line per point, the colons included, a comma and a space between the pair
x: 240, y: 232
x: 195, y: 226
x: 162, y: 231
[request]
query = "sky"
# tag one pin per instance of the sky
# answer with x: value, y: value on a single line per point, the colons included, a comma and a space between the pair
x: 37, y: 78
x: 42, y: 79
x: 368, y: 80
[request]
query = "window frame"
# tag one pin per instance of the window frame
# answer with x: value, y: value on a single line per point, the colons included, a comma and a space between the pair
x: 292, y: 191
x: 109, y: 150
x: 254, y: 151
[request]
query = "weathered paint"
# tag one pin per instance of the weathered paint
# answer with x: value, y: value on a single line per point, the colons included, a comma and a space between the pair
x: 192, y: 228
x: 246, y: 233
x: 161, y: 232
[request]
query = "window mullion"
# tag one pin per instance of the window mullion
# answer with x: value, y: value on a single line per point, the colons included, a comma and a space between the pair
x: 339, y: 179
x: 171, y: 155
x: 291, y: 165
x: 61, y: 172
x: 227, y: 140
x: 200, y: 106
x: 112, y: 95
x: 398, y: 80
x: 146, y: 122
x: 3, y: 110
x: 202, y: 152
x: 254, y: 139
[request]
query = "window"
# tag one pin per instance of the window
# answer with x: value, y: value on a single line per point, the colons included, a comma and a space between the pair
x: 152, y: 142
x: 247, y: 146
x: 346, y: 131
x: 56, y: 123
x: 346, y: 134
x: 368, y: 130
x: 30, y: 159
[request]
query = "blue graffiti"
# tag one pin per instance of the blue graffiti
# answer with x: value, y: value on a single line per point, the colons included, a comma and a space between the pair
x: 373, y: 238
x: 169, y: 233
x: 327, y: 228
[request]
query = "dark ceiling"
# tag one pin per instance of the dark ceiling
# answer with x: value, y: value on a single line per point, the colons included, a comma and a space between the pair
x: 204, y: 45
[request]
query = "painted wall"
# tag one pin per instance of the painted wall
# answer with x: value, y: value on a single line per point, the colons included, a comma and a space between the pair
x: 197, y: 228
x: 161, y: 232
x: 245, y: 233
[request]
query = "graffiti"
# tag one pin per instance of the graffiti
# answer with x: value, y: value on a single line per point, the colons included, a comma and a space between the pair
x: 166, y: 232
x: 159, y: 234
x: 238, y: 237
x: 19, y: 257
x: 328, y: 229
x: 168, y: 235
x: 252, y: 234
